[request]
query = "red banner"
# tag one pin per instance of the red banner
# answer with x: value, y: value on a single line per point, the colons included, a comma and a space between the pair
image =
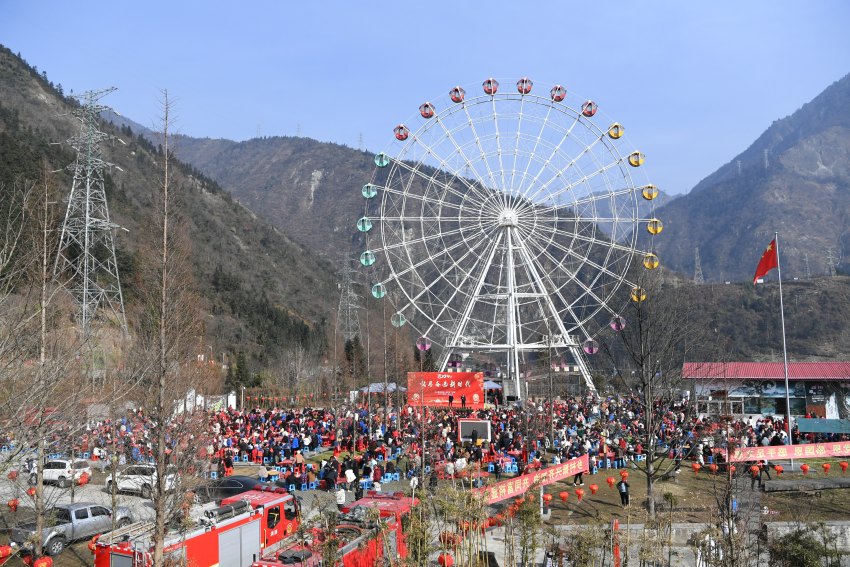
x: 810, y: 451
x: 436, y: 387
x: 520, y: 485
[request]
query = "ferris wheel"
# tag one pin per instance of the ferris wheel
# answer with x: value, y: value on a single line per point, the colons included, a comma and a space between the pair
x: 505, y: 222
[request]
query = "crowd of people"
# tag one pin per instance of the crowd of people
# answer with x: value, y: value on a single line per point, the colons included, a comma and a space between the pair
x: 358, y: 440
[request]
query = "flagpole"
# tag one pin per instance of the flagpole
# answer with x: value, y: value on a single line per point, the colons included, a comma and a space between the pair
x: 784, y: 348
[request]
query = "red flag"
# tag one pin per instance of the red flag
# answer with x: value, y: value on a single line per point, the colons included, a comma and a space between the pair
x: 769, y: 260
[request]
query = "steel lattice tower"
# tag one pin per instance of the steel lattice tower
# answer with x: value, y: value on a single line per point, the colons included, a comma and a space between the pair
x: 348, y: 321
x: 86, y: 254
x: 698, y: 278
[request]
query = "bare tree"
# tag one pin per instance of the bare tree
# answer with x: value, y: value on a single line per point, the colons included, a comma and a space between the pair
x: 660, y: 333
x: 166, y: 329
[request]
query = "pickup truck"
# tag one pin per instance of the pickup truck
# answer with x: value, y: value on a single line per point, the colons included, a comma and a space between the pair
x: 66, y: 523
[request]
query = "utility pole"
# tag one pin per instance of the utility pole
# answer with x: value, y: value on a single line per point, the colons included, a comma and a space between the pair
x: 698, y: 278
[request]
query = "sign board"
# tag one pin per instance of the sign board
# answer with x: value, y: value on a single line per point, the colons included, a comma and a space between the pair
x: 465, y: 427
x: 519, y: 485
x: 809, y: 451
x: 434, y: 388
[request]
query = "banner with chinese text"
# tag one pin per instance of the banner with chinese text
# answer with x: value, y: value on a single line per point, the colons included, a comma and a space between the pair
x: 436, y: 387
x: 520, y: 485
x: 811, y: 451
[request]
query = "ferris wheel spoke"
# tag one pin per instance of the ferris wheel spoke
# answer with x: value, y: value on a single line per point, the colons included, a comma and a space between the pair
x: 569, y: 187
x: 420, y: 240
x: 469, y: 274
x: 533, y: 151
x: 587, y: 289
x: 557, y: 148
x: 546, y: 277
x: 481, y: 151
x: 431, y: 180
x: 423, y: 197
x: 502, y: 187
x: 431, y: 258
x: 608, y: 244
x: 582, y: 258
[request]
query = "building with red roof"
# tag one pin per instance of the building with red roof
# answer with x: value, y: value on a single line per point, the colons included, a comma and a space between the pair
x: 758, y: 388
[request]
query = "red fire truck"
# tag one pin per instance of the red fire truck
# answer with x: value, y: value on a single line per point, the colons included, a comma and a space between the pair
x: 364, y: 536
x: 235, y: 534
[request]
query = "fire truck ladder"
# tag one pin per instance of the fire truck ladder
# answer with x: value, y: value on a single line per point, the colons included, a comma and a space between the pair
x: 129, y: 532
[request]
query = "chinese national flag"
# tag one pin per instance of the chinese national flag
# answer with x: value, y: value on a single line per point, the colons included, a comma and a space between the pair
x: 769, y: 260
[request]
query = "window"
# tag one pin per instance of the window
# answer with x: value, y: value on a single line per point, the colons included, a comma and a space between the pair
x: 273, y: 518
x: 81, y: 514
x: 61, y: 515
x: 54, y: 465
x: 97, y: 511
x: 80, y: 465
x: 289, y: 510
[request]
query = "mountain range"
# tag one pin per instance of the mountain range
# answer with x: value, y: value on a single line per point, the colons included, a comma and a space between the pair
x: 271, y: 220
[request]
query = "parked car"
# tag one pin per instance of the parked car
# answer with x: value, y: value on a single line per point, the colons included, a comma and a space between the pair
x: 67, y: 523
x: 141, y: 479
x: 224, y: 488
x: 63, y: 471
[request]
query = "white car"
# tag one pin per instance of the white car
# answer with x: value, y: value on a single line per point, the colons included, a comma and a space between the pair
x: 141, y: 479
x: 63, y: 471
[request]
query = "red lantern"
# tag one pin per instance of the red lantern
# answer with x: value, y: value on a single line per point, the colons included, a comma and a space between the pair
x: 445, y: 560
x: 779, y: 469
x: 547, y: 498
x: 754, y: 469
x: 84, y: 479
x: 805, y: 468
x: 732, y: 469
x: 843, y: 465
x: 580, y: 494
x: 43, y: 562
x: 564, y: 495
x: 12, y: 475
x: 696, y: 467
x: 593, y: 488
x: 610, y: 480
x: 31, y: 491
x: 713, y: 468
x: 6, y: 551
x: 826, y: 467
x: 13, y: 504
x: 624, y: 475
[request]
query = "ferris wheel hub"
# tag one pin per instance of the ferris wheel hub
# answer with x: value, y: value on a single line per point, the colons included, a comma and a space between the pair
x: 508, y: 217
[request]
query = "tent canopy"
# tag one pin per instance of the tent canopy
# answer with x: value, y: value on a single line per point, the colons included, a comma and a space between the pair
x: 490, y: 385
x: 378, y: 388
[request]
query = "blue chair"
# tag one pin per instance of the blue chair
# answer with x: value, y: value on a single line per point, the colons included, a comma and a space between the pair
x: 490, y: 467
x: 213, y: 475
x: 607, y: 463
x: 244, y: 458
x: 595, y: 470
x: 711, y: 460
x: 313, y: 485
x: 266, y: 460
x: 291, y: 488
x: 396, y: 476
x: 304, y: 486
x: 4, y: 449
x: 273, y: 477
x: 386, y: 478
x: 427, y: 469
x: 380, y: 457
x: 87, y: 456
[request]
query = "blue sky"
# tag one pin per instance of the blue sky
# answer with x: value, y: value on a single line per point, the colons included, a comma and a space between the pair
x: 694, y: 82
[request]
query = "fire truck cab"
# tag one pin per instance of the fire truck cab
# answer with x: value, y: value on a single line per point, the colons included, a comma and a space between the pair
x: 234, y: 534
x: 369, y: 529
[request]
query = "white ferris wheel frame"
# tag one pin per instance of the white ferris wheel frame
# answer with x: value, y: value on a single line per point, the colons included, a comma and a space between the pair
x: 509, y: 242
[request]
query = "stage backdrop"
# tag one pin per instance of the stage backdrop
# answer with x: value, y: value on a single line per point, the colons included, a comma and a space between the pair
x: 435, y: 387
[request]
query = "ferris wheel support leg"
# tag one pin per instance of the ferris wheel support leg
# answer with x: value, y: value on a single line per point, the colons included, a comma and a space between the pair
x: 578, y: 356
